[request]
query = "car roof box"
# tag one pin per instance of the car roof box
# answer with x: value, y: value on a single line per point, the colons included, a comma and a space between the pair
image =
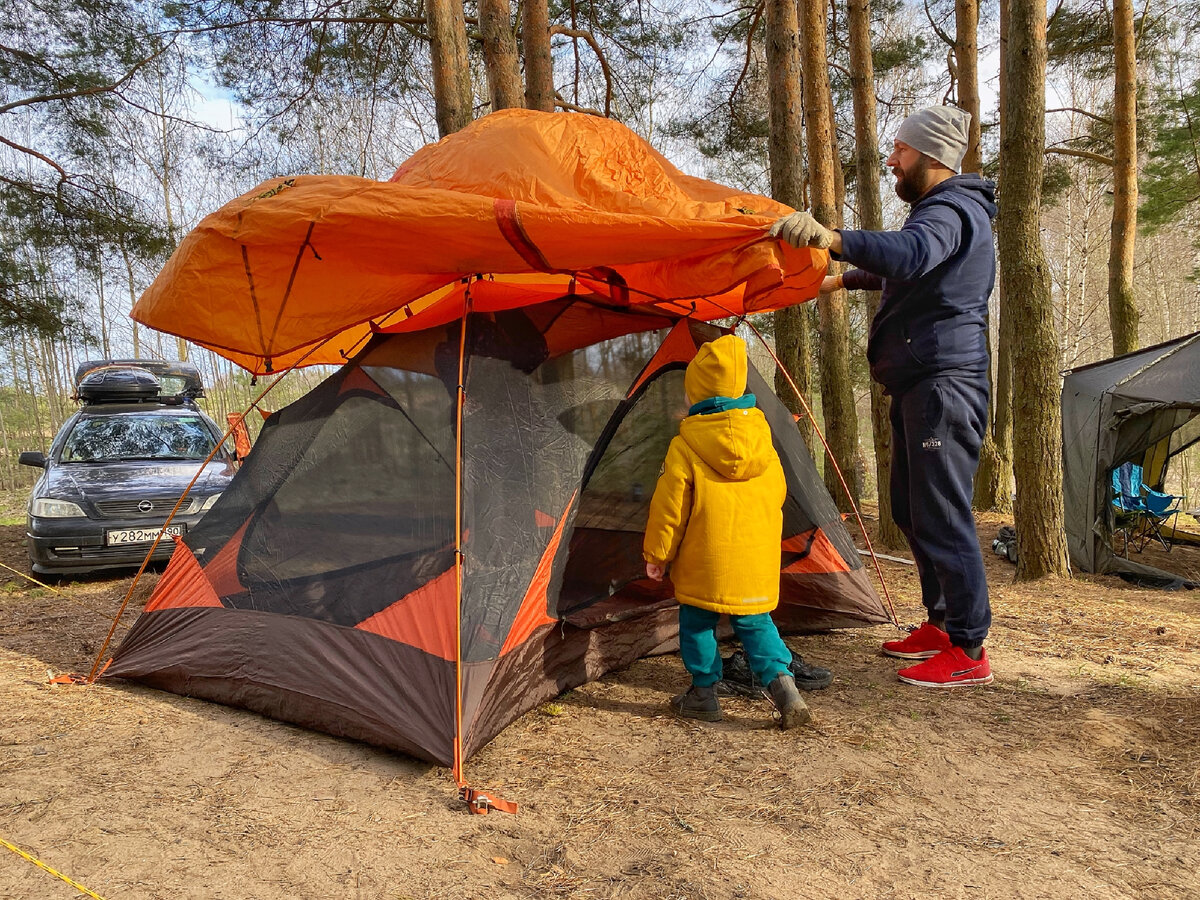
x: 175, y: 379
x: 118, y: 384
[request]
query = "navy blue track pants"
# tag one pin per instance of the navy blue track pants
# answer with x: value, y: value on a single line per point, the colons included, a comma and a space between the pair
x: 937, y: 428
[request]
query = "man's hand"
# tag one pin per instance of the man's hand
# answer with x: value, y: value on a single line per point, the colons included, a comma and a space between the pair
x: 801, y: 230
x: 655, y: 573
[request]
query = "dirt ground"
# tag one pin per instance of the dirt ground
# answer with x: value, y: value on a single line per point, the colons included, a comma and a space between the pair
x: 1074, y: 775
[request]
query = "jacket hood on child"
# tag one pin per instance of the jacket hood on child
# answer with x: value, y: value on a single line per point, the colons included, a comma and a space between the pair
x: 718, y: 370
x: 736, y: 443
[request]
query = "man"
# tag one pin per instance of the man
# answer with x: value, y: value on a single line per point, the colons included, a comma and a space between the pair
x: 928, y: 348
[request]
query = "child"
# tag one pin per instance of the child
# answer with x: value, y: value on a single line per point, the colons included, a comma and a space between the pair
x: 717, y: 514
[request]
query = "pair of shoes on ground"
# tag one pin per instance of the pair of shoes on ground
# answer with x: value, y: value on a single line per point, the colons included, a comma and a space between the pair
x: 702, y: 703
x: 738, y: 680
x: 944, y: 666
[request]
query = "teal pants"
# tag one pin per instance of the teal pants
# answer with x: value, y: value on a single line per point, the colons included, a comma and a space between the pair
x: 766, y: 652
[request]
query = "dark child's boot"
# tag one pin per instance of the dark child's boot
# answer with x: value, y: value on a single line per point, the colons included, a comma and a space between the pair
x: 793, y: 710
x: 698, y: 703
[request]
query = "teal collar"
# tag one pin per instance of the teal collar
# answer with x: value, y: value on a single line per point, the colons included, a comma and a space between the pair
x: 720, y: 404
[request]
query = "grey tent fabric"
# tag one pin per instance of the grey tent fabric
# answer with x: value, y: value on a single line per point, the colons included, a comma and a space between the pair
x: 1113, y: 412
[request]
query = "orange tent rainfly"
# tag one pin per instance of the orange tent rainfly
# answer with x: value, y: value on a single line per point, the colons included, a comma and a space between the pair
x: 447, y: 531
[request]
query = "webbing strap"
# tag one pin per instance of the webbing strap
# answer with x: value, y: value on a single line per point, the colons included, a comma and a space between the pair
x: 480, y: 803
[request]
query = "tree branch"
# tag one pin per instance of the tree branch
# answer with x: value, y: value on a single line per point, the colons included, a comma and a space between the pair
x: 594, y: 44
x: 88, y: 92
x: 62, y: 173
x: 408, y: 23
x: 1081, y: 154
x: 758, y: 11
x: 946, y: 39
x: 1082, y: 112
x: 734, y: 10
x: 563, y: 104
x: 168, y: 117
x: 30, y: 58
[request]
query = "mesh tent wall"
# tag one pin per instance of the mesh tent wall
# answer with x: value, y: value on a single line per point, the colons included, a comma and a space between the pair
x: 322, y: 589
x: 1139, y: 407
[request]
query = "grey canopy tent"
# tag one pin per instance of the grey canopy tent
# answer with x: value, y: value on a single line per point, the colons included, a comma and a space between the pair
x: 1141, y: 407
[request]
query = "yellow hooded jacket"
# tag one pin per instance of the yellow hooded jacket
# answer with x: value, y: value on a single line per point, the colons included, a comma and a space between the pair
x: 717, y: 510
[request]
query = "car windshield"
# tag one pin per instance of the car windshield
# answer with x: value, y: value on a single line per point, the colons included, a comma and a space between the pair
x: 141, y: 436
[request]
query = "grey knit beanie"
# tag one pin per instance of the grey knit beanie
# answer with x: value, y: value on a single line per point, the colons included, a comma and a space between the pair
x: 941, y: 132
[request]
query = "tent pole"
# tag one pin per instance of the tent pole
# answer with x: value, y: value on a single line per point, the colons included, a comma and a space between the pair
x: 96, y: 669
x: 458, y: 546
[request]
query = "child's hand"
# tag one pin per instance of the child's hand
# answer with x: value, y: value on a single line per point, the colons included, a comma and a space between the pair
x: 655, y: 572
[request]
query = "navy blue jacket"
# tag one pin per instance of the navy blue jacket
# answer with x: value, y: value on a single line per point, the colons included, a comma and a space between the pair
x: 936, y: 274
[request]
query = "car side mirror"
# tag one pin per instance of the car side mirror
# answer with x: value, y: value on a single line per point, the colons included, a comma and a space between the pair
x: 35, y: 458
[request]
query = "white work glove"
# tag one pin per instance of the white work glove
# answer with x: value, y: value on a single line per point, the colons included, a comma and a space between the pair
x: 801, y: 230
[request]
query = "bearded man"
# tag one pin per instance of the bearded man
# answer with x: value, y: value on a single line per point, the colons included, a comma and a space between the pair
x: 928, y: 348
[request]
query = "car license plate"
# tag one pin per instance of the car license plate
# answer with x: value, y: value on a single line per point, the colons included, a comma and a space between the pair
x: 139, y: 535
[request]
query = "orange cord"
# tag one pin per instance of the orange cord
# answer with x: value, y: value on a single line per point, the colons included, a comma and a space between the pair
x: 832, y: 461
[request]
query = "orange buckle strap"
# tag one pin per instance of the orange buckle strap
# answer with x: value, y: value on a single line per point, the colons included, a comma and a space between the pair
x: 480, y: 803
x: 75, y: 677
x: 68, y: 678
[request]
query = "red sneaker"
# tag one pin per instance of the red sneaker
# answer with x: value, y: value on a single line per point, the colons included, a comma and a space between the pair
x: 926, y: 641
x: 950, y: 668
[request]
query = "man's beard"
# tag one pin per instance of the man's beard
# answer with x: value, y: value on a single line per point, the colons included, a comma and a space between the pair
x: 910, y: 185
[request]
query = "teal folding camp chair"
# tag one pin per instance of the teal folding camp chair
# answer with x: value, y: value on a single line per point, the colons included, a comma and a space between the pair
x: 1160, y: 509
x: 1141, y: 512
x: 1127, y: 504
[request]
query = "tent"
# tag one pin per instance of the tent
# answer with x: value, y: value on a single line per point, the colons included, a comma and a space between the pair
x: 1141, y: 407
x: 446, y: 532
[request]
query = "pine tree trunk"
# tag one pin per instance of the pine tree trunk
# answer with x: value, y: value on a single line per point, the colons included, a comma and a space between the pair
x: 793, y: 346
x: 1041, y: 547
x: 991, y: 482
x: 500, y: 55
x: 539, y: 65
x: 870, y: 217
x: 1001, y: 362
x: 966, y: 57
x: 452, y: 96
x: 1122, y: 306
x: 785, y: 146
x: 837, y: 389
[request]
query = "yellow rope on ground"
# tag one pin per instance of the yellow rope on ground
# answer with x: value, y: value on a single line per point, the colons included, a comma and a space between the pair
x: 29, y: 577
x: 41, y: 865
x: 62, y: 594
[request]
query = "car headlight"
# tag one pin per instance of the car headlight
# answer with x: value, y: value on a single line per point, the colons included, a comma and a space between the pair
x: 48, y: 508
x: 199, y: 506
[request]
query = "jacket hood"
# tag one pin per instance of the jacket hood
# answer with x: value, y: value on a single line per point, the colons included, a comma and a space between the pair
x: 969, y: 186
x: 718, y: 370
x: 736, y: 443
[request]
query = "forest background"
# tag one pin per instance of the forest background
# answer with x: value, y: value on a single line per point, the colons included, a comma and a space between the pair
x: 123, y: 123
